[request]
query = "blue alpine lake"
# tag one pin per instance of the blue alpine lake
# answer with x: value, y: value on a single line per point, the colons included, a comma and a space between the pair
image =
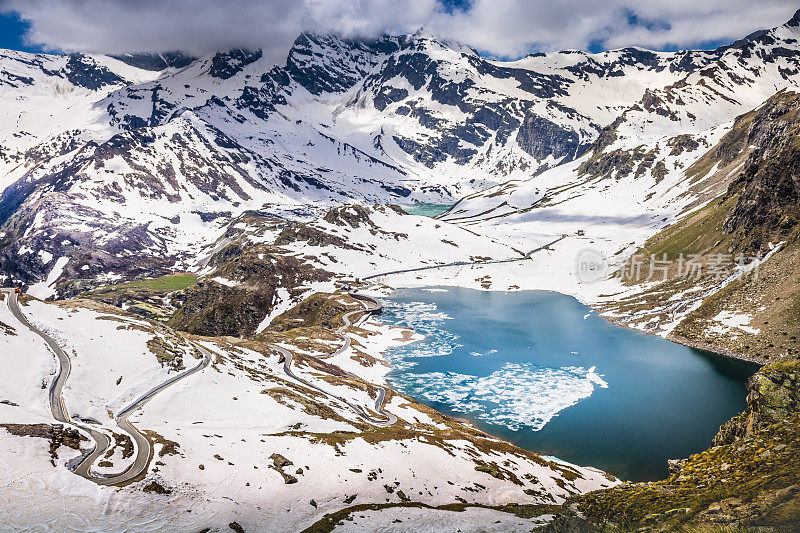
x: 428, y: 210
x: 545, y: 372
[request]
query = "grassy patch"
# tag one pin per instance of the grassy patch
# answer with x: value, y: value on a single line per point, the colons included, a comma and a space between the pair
x: 699, y: 233
x: 147, y: 297
x: 171, y: 283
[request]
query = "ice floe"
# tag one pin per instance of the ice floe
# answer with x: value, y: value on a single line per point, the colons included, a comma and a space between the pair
x: 518, y: 395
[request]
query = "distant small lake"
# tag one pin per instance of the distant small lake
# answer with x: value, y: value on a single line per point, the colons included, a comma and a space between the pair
x: 547, y: 373
x: 428, y: 210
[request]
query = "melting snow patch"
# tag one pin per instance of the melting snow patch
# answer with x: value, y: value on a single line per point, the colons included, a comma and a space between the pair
x: 109, y: 277
x: 225, y: 281
x: 45, y: 256
x: 282, y: 304
x: 728, y: 320
x: 43, y: 289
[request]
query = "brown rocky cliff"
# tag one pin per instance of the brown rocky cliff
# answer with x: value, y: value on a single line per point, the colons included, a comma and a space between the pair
x: 774, y: 395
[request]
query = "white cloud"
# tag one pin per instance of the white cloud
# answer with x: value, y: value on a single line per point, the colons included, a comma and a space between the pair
x: 204, y: 26
x: 505, y: 28
x: 513, y: 27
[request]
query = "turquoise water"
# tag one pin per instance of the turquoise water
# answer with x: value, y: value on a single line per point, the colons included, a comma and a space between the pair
x: 547, y: 373
x: 428, y: 210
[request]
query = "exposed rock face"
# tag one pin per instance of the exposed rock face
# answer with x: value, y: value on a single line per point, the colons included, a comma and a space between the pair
x: 541, y: 137
x: 795, y: 20
x: 84, y: 71
x: 225, y: 65
x: 682, y: 143
x: 768, y: 208
x: 328, y: 64
x: 774, y: 395
x: 211, y: 308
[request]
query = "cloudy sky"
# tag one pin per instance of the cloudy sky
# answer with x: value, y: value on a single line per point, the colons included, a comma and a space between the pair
x: 499, y: 28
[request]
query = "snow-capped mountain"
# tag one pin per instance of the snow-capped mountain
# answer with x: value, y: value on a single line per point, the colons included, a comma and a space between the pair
x: 111, y: 169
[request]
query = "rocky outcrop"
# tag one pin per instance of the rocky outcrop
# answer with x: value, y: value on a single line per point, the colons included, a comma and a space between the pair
x: 57, y: 436
x: 317, y: 310
x: 323, y: 63
x: 768, y: 188
x: 279, y: 462
x: 156, y: 62
x: 541, y: 137
x: 216, y: 309
x: 356, y: 215
x: 749, y: 478
x: 312, y: 236
x: 84, y: 71
x: 774, y: 396
x: 568, y: 524
x: 225, y: 65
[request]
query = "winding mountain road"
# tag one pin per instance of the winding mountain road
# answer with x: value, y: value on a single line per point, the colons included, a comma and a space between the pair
x: 82, y: 465
x: 380, y: 400
x: 375, y: 307
x: 470, y: 263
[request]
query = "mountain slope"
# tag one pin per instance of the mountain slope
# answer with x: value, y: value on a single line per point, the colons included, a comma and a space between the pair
x: 750, y: 314
x: 140, y: 170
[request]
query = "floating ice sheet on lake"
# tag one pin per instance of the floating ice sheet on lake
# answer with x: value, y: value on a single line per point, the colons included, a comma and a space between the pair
x: 424, y: 318
x: 516, y: 396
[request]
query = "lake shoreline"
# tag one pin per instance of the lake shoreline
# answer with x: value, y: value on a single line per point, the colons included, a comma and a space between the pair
x: 716, y: 350
x: 644, y: 355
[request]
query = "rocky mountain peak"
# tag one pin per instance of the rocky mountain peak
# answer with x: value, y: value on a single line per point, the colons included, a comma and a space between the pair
x: 225, y: 65
x: 795, y: 20
x: 327, y: 63
x: 348, y: 121
x: 84, y: 71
